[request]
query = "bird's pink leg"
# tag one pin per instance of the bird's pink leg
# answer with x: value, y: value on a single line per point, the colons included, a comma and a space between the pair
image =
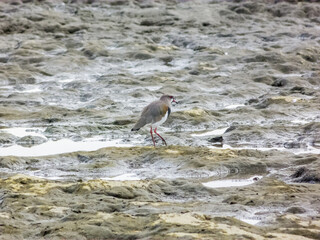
x: 155, y: 131
x: 154, y: 144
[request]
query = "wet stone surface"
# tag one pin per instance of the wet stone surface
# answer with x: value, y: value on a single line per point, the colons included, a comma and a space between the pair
x: 243, y: 154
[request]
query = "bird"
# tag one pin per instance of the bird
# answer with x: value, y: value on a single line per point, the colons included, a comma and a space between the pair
x: 155, y: 114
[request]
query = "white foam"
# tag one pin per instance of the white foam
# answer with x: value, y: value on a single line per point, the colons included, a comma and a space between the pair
x: 234, y: 106
x: 123, y: 177
x: 296, y: 151
x: 59, y: 147
x: 22, y: 132
x: 31, y: 90
x: 297, y: 121
x: 153, y: 88
x: 216, y: 132
x: 251, y: 221
x: 231, y: 182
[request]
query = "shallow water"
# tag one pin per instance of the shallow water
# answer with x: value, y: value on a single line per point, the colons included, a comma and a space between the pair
x: 232, y: 182
x: 59, y: 147
x: 75, y: 77
x: 22, y: 132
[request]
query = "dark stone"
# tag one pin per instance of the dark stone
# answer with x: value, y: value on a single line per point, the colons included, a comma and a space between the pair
x: 310, y: 178
x: 296, y: 210
x: 298, y: 89
x: 234, y: 200
x: 304, y: 36
x: 118, y: 2
x: 141, y: 56
x: 286, y: 67
x: 216, y: 139
x: 147, y: 22
x: 29, y: 141
x: 4, y: 59
x: 164, y: 22
x: 304, y: 175
x: 299, y: 172
x: 51, y: 120
x: 199, y: 48
x: 268, y: 39
x: 290, y: 145
x: 166, y: 59
x: 194, y: 72
x: 225, y: 35
x: 231, y: 128
x: 122, y: 122
x: 253, y: 100
x: 30, y: 80
x: 312, y: 128
x: 264, y: 79
x: 242, y: 10
x: 280, y: 82
x: 83, y: 158
x: 263, y: 104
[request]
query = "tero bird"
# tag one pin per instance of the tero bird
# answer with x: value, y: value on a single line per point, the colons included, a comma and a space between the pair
x: 155, y: 114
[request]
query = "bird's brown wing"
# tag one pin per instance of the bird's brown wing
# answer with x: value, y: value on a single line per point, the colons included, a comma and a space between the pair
x: 152, y: 113
x: 158, y: 111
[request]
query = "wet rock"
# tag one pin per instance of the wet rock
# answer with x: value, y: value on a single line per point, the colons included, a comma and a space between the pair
x: 72, y: 43
x: 11, y: 26
x: 157, y: 22
x: 292, y: 144
x: 122, y: 122
x: 74, y: 27
x: 305, y: 175
x: 95, y: 49
x: 166, y: 59
x: 298, y: 89
x: 140, y: 55
x: 195, y: 112
x: 23, y: 56
x: 281, y: 10
x: 29, y: 141
x: 216, y: 141
x: 268, y: 57
x: 117, y: 2
x: 234, y: 200
x: 287, y: 68
x: 6, y: 138
x: 231, y: 128
x: 50, y: 27
x: 242, y: 10
x: 121, y: 192
x: 312, y: 128
x: 310, y: 56
x: 269, y: 80
x: 74, y: 67
x: 194, y: 72
x: 296, y: 210
x: 280, y: 82
x: 96, y: 232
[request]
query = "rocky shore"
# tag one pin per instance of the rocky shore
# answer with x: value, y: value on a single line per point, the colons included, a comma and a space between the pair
x: 244, y: 141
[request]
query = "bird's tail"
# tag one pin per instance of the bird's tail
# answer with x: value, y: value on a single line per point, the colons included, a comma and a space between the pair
x: 139, y: 124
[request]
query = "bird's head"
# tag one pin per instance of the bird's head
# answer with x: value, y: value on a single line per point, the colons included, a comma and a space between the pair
x: 168, y: 98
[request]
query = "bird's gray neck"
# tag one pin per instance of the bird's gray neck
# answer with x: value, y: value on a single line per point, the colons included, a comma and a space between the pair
x: 168, y: 102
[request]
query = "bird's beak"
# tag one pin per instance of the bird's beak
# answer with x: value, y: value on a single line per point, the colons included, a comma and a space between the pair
x: 174, y: 101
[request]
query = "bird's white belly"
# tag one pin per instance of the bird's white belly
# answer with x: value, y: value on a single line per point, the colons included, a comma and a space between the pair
x: 157, y: 124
